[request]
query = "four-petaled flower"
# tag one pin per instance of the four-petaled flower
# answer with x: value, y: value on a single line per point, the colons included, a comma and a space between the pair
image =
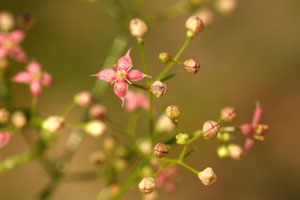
x: 136, y: 100
x: 254, y: 130
x: 122, y: 76
x: 9, y: 46
x: 35, y: 77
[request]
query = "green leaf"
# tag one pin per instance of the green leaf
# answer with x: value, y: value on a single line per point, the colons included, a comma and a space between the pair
x: 167, y: 77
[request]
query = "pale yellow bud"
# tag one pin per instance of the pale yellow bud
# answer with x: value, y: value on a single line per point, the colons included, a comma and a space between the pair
x: 95, y: 128
x: 207, y: 176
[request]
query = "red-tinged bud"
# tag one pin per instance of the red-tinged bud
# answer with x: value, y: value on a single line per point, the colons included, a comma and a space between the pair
x: 84, y: 98
x: 4, y: 115
x: 147, y: 185
x: 164, y: 124
x: 235, y: 151
x: 165, y: 57
x: 173, y: 112
x: 192, y: 66
x: 161, y: 150
x: 207, y: 176
x: 98, y: 112
x: 228, y: 114
x: 207, y: 16
x: 138, y: 27
x: 210, y: 129
x: 6, y: 21
x: 226, y: 7
x: 18, y: 119
x: 114, y: 189
x: 159, y: 89
x: 194, y: 26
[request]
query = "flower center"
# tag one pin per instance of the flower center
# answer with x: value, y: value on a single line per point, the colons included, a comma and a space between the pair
x: 122, y: 74
x: 9, y: 44
x: 37, y: 75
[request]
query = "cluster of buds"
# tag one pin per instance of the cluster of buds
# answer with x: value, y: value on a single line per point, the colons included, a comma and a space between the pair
x: 159, y: 89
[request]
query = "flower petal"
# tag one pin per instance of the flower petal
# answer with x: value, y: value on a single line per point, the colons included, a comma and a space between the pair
x: 17, y: 36
x: 34, y: 67
x: 18, y: 54
x: 248, y: 144
x: 36, y: 88
x: 22, y: 77
x: 3, y: 39
x: 46, y: 79
x: 120, y: 89
x: 136, y: 75
x: 247, y: 129
x: 4, y: 138
x: 3, y: 52
x: 257, y: 115
x: 132, y: 102
x: 108, y: 75
x: 125, y: 62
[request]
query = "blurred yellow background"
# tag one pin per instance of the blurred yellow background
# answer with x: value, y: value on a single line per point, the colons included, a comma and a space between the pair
x: 250, y: 55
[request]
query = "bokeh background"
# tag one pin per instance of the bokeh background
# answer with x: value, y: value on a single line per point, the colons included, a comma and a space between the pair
x: 250, y: 55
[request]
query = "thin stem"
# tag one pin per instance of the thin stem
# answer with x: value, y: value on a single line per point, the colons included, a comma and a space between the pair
x: 188, y: 167
x: 33, y: 106
x: 140, y: 86
x: 182, y: 154
x: 134, y: 116
x: 68, y: 108
x: 170, y: 65
x: 196, y: 136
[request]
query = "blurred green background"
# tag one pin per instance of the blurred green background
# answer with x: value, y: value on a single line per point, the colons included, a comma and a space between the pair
x: 250, y: 55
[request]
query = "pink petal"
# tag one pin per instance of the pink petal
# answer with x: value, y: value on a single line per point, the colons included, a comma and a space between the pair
x: 248, y: 144
x: 246, y: 129
x: 22, y: 77
x: 3, y: 39
x: 170, y: 187
x: 125, y: 62
x: 108, y: 75
x: 18, y: 54
x: 3, y: 52
x: 132, y: 102
x: 4, y: 138
x: 135, y: 75
x: 120, y: 89
x: 17, y: 36
x: 34, y: 67
x: 36, y: 88
x: 46, y: 79
x: 257, y: 115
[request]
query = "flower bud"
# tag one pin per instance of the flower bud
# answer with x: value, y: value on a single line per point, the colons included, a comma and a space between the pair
x: 224, y: 137
x: 194, y: 26
x: 161, y: 150
x: 210, y: 129
x: 165, y: 57
x: 84, y: 98
x: 4, y: 138
x: 109, y: 143
x: 206, y: 15
x: 97, y: 158
x: 4, y: 115
x: 6, y: 21
x: 53, y: 124
x: 18, y: 119
x: 147, y: 185
x: 159, y: 89
x: 228, y: 114
x: 95, y: 128
x: 223, y: 151
x: 182, y: 138
x: 114, y: 189
x: 145, y: 147
x: 207, y: 176
x: 164, y: 124
x: 26, y: 20
x: 138, y: 27
x: 192, y: 66
x: 235, y: 151
x: 98, y: 112
x: 120, y: 164
x: 226, y: 6
x: 173, y: 112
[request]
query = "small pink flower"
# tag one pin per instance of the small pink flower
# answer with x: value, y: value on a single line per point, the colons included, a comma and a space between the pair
x: 254, y: 130
x: 167, y: 179
x: 4, y: 138
x: 122, y: 76
x: 35, y: 77
x: 9, y: 46
x: 136, y: 100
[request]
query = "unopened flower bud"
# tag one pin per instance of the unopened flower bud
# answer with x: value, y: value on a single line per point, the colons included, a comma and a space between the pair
x: 192, y: 66
x: 194, y: 26
x: 109, y: 143
x: 147, y: 185
x: 18, y: 119
x: 161, y: 150
x: 207, y: 176
x: 182, y: 138
x: 4, y: 115
x: 84, y: 98
x: 97, y: 158
x: 120, y: 164
x: 223, y: 151
x: 224, y: 137
x: 145, y: 147
x: 114, y: 189
x: 226, y: 6
x: 235, y: 151
x: 165, y: 57
x: 210, y: 129
x: 228, y: 114
x: 26, y: 20
x: 138, y: 27
x: 53, y: 124
x: 173, y: 112
x: 206, y: 15
x: 6, y: 21
x: 98, y: 112
x: 95, y: 128
x: 159, y: 89
x: 164, y: 124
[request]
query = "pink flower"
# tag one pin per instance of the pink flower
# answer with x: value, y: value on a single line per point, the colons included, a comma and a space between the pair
x: 9, y: 46
x: 167, y: 179
x: 254, y: 130
x: 35, y: 77
x: 4, y: 138
x: 136, y: 100
x: 122, y: 76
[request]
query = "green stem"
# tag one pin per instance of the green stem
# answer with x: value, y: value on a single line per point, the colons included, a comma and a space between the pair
x: 132, y: 124
x: 183, y: 152
x: 196, y: 136
x: 33, y: 106
x: 188, y: 167
x: 68, y: 108
x: 170, y: 65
